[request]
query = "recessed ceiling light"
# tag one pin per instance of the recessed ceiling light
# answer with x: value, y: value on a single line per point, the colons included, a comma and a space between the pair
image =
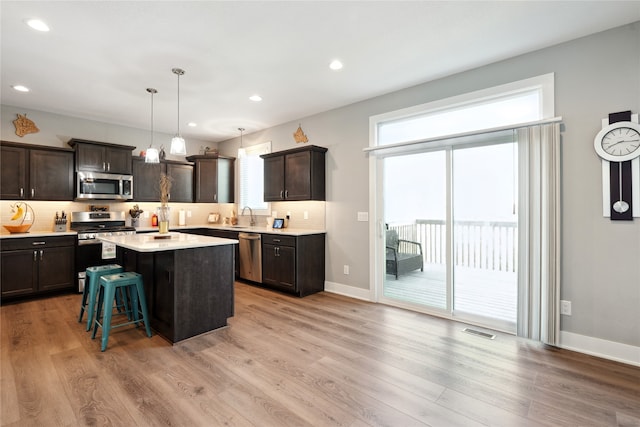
x: 37, y: 25
x: 335, y: 65
x: 255, y: 98
x: 20, y: 88
x: 192, y: 124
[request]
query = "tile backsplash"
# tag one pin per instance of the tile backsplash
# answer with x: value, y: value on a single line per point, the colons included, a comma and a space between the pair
x: 45, y: 212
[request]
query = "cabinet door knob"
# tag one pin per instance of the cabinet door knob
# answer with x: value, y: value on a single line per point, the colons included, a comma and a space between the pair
x: 41, y: 251
x: 108, y: 166
x: 33, y: 193
x: 21, y: 192
x: 35, y: 255
x: 286, y: 194
x: 104, y: 166
x: 282, y: 194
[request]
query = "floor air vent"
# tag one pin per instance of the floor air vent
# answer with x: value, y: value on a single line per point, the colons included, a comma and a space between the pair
x: 479, y: 333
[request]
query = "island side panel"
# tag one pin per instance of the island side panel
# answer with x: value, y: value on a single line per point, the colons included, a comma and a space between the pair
x: 157, y: 273
x: 204, y: 295
x: 188, y: 291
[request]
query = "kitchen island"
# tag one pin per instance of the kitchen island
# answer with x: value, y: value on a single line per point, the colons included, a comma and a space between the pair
x: 188, y: 280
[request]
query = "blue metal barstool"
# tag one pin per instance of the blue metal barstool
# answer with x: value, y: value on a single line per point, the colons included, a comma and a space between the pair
x: 90, y: 291
x: 108, y: 285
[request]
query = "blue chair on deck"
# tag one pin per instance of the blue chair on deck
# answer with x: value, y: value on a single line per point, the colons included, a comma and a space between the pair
x: 402, y: 255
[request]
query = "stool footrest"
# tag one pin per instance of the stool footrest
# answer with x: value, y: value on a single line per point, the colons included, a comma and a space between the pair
x: 109, y: 284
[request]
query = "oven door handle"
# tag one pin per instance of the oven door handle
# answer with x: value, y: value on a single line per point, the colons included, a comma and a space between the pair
x: 87, y: 242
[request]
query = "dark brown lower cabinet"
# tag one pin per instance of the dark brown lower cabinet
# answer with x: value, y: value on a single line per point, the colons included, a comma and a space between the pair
x: 293, y: 263
x: 188, y: 291
x: 34, y: 266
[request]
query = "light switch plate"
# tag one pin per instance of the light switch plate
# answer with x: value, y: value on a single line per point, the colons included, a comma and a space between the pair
x: 363, y: 216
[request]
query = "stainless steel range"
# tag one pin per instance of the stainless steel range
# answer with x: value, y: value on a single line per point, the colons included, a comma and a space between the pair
x: 90, y: 226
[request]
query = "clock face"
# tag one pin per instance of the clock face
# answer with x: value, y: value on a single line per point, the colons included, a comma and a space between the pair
x: 618, y: 142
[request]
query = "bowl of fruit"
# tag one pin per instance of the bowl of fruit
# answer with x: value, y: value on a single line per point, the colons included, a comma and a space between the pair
x: 22, y: 218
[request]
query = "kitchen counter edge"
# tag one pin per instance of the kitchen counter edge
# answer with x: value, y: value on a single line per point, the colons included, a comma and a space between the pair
x: 7, y: 235
x: 261, y: 230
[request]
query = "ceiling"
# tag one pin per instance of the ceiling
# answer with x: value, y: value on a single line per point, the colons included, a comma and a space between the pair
x: 100, y: 56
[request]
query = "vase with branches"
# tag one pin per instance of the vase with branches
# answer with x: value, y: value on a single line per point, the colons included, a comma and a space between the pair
x: 163, y: 210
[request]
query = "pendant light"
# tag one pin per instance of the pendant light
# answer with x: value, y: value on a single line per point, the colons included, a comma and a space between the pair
x: 178, y: 145
x: 151, y: 155
x: 241, y: 151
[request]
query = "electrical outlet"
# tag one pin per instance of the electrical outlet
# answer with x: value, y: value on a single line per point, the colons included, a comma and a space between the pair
x: 188, y: 214
x: 306, y: 216
x: 274, y: 214
x: 289, y: 214
x: 145, y: 214
x: 565, y: 307
x: 346, y: 269
x: 27, y: 215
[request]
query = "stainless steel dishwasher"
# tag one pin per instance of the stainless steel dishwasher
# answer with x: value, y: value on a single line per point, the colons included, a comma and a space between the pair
x: 250, y: 256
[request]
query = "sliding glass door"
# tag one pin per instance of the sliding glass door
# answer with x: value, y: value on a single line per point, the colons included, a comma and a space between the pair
x: 450, y: 232
x: 415, y: 212
x: 485, y: 234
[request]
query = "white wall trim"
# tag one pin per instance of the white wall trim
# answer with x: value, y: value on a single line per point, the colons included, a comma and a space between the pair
x: 611, y: 350
x: 348, y: 291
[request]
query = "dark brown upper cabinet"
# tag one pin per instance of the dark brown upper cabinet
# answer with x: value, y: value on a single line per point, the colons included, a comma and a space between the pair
x: 146, y: 179
x: 213, y: 178
x: 92, y: 156
x: 296, y: 174
x: 33, y: 172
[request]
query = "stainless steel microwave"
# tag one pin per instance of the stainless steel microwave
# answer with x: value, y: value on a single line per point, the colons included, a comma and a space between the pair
x: 106, y: 186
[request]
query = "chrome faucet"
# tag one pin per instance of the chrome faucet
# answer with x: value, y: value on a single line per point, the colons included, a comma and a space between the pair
x: 252, y: 222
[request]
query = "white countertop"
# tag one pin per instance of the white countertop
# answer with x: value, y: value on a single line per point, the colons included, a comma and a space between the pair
x: 4, y: 234
x: 149, y: 242
x: 239, y: 228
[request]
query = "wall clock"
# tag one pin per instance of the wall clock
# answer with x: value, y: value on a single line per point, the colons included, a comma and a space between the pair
x: 618, y: 144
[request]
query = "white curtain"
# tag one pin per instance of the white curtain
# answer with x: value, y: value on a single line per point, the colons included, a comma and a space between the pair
x: 539, y: 219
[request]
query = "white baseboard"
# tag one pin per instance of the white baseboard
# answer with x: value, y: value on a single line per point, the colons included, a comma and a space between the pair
x: 611, y: 350
x: 348, y: 291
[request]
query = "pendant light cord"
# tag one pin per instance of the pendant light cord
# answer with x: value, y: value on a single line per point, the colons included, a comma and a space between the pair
x: 152, y: 91
x: 178, y: 72
x: 178, y: 103
x: 151, y: 143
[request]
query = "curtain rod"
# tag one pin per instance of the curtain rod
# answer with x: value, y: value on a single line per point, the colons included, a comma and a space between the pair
x: 463, y: 134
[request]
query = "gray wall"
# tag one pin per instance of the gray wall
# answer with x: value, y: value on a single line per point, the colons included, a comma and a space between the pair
x: 595, y: 75
x: 56, y: 130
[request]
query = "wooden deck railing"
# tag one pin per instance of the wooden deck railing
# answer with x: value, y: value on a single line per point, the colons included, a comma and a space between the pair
x: 490, y: 245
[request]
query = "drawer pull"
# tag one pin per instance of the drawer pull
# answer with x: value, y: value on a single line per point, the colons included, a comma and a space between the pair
x: 276, y: 240
x: 21, y: 192
x: 33, y: 193
x: 38, y: 243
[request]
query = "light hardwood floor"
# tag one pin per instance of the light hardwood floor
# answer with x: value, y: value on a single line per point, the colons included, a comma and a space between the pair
x: 323, y: 360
